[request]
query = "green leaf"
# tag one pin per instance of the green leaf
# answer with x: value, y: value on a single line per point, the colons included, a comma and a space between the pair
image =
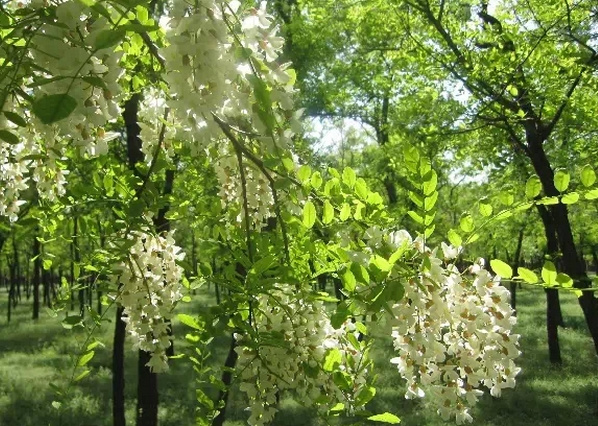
x: 349, y: 281
x: 506, y: 197
x: 564, y: 280
x: 52, y: 108
x: 385, y: 418
x: 533, y: 187
x: 548, y: 201
x: 189, y: 321
x: 304, y: 173
x: 71, y: 321
x: 56, y: 404
x: 380, y: 263
x: 466, y: 223
x: 549, y: 273
x: 485, y: 208
x: 361, y: 188
x: 501, y: 268
x: 587, y: 176
x: 454, y: 238
x: 309, y: 213
x: 430, y: 202
x: 592, y: 195
x: 561, y: 180
x: 417, y: 199
x: 345, y: 212
x: 429, y: 185
x: 570, y: 198
x: 263, y: 265
x: 416, y: 217
x: 15, y: 118
x: 332, y: 360
x: 9, y: 137
x: 316, y: 180
x: 527, y: 275
x: 349, y: 177
x: 365, y: 395
x: 83, y: 374
x: 47, y: 264
x: 360, y: 272
x: 327, y: 212
x: 288, y: 164
x: 108, y: 38
x: 85, y: 358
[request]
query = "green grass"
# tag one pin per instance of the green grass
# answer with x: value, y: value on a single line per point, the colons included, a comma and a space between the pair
x: 35, y: 354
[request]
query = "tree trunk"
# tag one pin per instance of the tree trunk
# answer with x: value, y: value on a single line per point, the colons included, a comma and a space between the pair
x: 227, y: 378
x: 553, y: 306
x: 570, y: 260
x: 36, y: 275
x: 552, y: 322
x: 516, y: 263
x: 118, y: 370
x: 147, y: 392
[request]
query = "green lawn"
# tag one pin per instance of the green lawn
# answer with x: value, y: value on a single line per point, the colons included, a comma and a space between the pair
x: 35, y: 354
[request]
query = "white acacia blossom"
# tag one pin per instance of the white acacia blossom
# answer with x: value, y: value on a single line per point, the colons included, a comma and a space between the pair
x: 453, y: 333
x: 217, y: 75
x: 150, y: 282
x: 295, y: 337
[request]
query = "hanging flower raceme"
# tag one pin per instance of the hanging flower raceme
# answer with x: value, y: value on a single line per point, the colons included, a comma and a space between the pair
x: 150, y: 282
x: 295, y: 348
x: 453, y: 333
x: 220, y: 61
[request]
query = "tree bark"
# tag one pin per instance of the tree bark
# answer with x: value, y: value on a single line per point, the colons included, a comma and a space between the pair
x: 147, y: 392
x: 553, y: 306
x: 36, y: 274
x: 118, y: 370
x: 227, y: 378
x: 516, y: 263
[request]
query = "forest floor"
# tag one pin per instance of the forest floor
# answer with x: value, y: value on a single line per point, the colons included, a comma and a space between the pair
x: 36, y: 354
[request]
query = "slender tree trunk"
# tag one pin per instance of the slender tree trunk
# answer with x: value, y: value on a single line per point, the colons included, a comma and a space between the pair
x: 36, y: 275
x: 118, y: 370
x: 552, y: 322
x: 147, y: 392
x: 227, y: 378
x: 570, y: 260
x: 11, y: 292
x: 516, y: 263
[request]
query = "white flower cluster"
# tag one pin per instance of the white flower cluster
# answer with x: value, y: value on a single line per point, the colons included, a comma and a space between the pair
x: 151, y: 287
x: 453, y: 333
x: 68, y: 61
x: 35, y: 157
x: 293, y: 337
x: 152, y: 124
x: 222, y: 60
x: 72, y: 53
x: 260, y: 199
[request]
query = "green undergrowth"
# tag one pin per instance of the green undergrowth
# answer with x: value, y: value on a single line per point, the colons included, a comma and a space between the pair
x: 34, y: 354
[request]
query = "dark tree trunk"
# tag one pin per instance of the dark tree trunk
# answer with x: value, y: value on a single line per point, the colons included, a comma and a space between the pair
x: 147, y: 393
x: 36, y: 275
x: 516, y: 263
x: 570, y: 260
x: 118, y: 370
x: 227, y: 378
x: 11, y: 292
x: 76, y: 259
x: 552, y: 323
x: 553, y: 306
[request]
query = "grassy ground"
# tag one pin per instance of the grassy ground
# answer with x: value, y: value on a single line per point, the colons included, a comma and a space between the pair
x: 35, y: 354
